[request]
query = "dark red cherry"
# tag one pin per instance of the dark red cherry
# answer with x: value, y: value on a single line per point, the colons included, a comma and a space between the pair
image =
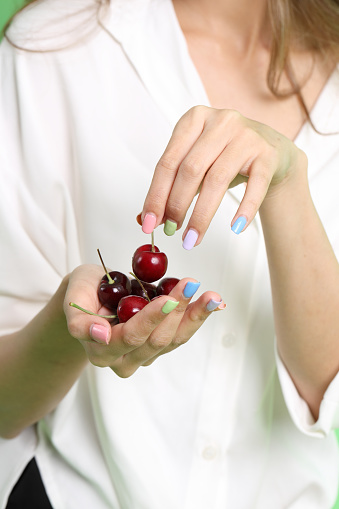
x: 136, y: 289
x: 114, y: 288
x: 166, y: 285
x: 129, y: 306
x: 149, y: 264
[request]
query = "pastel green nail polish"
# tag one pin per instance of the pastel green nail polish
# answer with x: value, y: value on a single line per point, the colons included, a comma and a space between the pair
x: 170, y: 227
x: 169, y: 306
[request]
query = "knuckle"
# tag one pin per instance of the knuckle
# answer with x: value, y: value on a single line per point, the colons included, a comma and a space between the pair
x: 149, y: 362
x: 123, y: 372
x: 157, y: 343
x: 97, y: 361
x: 157, y: 199
x: 252, y: 205
x: 179, y: 341
x: 196, y: 112
x: 132, y: 340
x: 218, y: 178
x: 261, y: 178
x: 168, y: 162
x: 74, y: 329
x: 175, y: 209
x: 202, y: 218
x: 191, y: 169
x: 233, y: 116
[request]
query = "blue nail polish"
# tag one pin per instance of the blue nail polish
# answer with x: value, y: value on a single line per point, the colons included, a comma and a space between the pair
x: 239, y: 225
x: 190, y: 289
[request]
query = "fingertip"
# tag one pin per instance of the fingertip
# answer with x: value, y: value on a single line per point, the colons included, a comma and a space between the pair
x: 149, y: 222
x: 213, y: 305
x: 190, y: 239
x: 239, y: 224
x: 99, y: 333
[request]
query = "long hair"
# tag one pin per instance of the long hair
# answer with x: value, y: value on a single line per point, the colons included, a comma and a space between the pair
x: 311, y: 25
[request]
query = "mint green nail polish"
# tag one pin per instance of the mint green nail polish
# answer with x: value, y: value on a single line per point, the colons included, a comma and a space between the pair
x: 170, y: 227
x: 169, y: 306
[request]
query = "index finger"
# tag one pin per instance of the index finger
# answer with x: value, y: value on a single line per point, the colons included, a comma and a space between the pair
x: 185, y: 134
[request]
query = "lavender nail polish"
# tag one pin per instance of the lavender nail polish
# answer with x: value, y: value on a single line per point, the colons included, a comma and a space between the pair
x: 190, y: 239
x: 213, y: 304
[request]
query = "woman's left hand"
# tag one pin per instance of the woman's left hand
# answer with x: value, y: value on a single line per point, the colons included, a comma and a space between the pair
x: 209, y: 151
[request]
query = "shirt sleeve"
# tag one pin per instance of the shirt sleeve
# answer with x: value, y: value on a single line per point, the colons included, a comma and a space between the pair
x: 37, y: 222
x: 300, y: 413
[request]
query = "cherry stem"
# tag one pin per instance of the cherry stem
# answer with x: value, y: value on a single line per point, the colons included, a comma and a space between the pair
x: 110, y: 280
x: 142, y: 286
x: 90, y: 312
x: 152, y: 237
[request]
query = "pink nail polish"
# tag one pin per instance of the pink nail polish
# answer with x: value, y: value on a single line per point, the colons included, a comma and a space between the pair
x: 148, y: 223
x: 99, y: 333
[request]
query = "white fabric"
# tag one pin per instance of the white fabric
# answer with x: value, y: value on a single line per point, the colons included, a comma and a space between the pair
x: 218, y: 423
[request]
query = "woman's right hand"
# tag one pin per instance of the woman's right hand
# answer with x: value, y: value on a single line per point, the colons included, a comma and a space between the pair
x: 124, y: 347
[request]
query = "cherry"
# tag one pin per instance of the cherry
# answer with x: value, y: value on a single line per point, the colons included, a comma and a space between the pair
x: 136, y: 289
x: 129, y: 306
x: 148, y: 263
x: 166, y: 285
x: 113, y: 286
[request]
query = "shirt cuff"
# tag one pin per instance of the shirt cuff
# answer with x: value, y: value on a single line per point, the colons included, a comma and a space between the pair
x: 299, y: 410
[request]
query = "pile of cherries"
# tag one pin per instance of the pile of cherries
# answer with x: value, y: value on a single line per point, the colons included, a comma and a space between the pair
x: 125, y: 296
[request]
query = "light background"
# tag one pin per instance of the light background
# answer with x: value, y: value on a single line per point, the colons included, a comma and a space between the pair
x: 7, y: 9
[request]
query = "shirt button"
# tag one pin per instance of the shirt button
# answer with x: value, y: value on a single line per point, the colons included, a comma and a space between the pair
x: 229, y: 339
x: 209, y: 453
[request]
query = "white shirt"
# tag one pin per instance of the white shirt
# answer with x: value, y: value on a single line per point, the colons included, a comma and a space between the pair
x: 218, y: 423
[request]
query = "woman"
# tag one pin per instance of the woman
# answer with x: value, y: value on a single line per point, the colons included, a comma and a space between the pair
x: 234, y: 417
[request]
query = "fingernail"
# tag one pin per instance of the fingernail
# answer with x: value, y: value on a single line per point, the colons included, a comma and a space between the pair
x: 239, y: 225
x: 99, y: 333
x: 190, y: 239
x: 190, y: 289
x: 170, y: 227
x: 169, y: 306
x: 148, y: 223
x: 213, y: 304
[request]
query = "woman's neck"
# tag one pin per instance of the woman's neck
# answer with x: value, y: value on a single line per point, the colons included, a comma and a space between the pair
x: 244, y: 22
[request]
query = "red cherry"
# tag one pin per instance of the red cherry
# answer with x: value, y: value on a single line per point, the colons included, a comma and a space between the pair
x: 166, y: 285
x: 149, y: 264
x: 114, y: 288
x: 129, y: 306
x: 136, y: 289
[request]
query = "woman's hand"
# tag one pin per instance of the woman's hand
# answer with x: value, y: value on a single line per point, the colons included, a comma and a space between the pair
x: 211, y: 150
x: 124, y: 347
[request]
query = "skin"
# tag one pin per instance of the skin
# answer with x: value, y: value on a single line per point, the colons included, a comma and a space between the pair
x: 50, y: 353
x: 247, y: 134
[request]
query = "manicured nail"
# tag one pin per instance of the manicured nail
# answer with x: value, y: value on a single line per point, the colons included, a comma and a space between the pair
x: 148, y: 223
x: 213, y: 304
x: 239, y: 225
x: 169, y: 306
x: 170, y: 227
x: 190, y: 239
x: 190, y: 289
x: 99, y: 333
